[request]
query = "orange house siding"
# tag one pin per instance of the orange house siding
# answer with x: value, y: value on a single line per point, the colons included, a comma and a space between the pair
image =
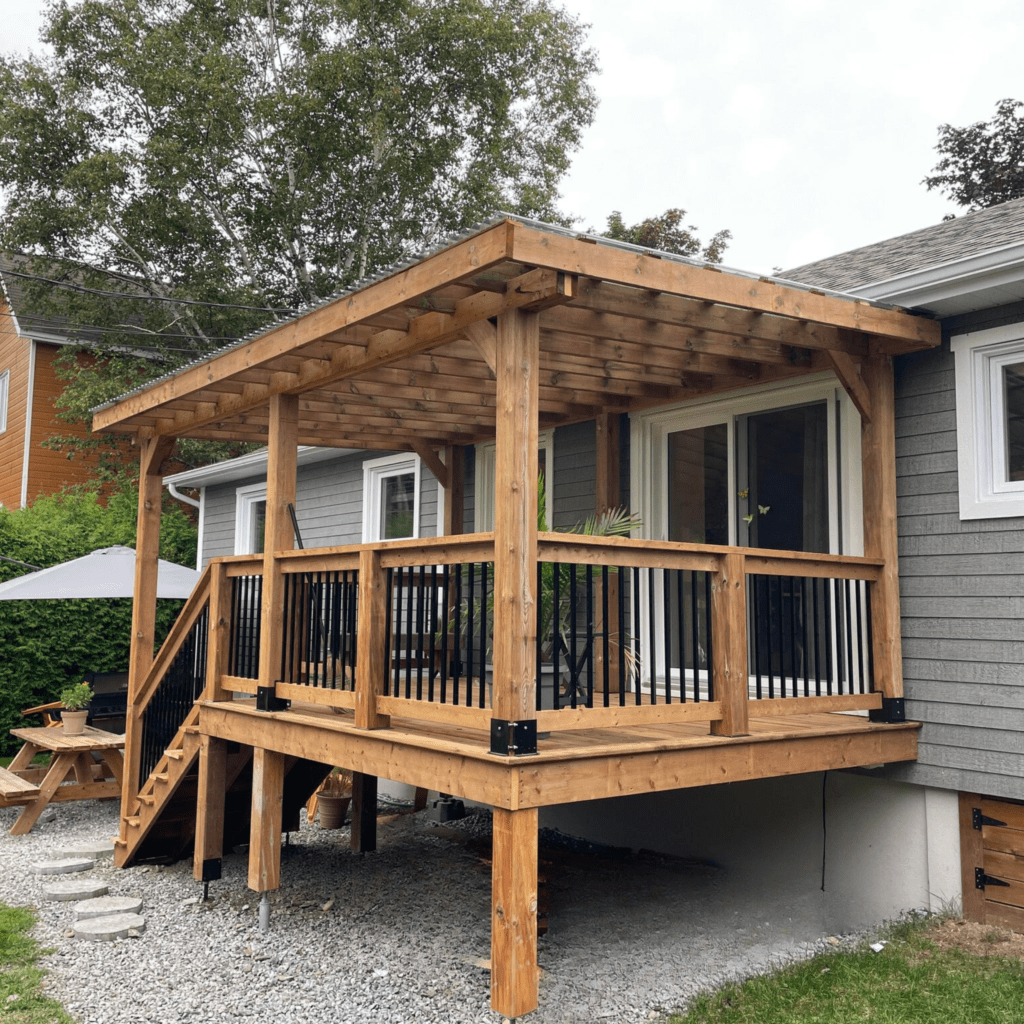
x: 49, y: 470
x: 14, y: 357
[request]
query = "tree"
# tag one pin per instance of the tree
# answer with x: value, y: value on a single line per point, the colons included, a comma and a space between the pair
x: 234, y: 160
x: 982, y: 165
x: 669, y: 234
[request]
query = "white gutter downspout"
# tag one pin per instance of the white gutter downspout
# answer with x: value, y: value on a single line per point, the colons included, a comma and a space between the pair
x: 198, y: 505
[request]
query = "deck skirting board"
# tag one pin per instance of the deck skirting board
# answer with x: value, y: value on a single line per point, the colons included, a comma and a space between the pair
x: 456, y: 760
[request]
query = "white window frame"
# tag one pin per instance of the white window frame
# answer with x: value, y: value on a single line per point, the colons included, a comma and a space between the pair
x: 484, y: 480
x: 648, y: 439
x: 246, y: 499
x: 979, y: 358
x: 375, y: 471
x: 648, y: 468
x: 5, y: 391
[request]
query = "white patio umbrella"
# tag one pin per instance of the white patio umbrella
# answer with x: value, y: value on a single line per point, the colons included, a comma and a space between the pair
x: 107, y: 572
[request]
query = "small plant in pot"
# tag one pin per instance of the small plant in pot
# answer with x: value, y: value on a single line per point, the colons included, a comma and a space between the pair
x: 76, y: 700
x: 334, y: 797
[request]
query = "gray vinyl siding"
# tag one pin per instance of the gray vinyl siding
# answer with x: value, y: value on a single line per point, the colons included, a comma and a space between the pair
x: 328, y: 505
x: 961, y: 595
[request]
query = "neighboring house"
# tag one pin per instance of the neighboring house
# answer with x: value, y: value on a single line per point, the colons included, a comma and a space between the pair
x: 29, y: 389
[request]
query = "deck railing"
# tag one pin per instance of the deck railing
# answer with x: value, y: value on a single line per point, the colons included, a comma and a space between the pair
x: 627, y: 630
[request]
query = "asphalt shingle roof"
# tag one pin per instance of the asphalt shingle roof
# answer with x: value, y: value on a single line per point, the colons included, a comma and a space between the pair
x: 952, y: 240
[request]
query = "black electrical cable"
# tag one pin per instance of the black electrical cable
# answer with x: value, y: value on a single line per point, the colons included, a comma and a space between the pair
x: 148, y: 298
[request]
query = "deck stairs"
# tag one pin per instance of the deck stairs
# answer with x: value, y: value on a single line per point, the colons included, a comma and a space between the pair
x: 162, y: 823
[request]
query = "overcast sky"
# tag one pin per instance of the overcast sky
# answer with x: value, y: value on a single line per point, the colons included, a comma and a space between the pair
x: 803, y: 126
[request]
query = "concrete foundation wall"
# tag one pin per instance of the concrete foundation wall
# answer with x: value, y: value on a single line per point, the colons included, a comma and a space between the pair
x: 888, y: 847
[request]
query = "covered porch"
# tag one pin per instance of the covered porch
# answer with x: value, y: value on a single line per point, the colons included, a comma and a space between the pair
x: 518, y: 667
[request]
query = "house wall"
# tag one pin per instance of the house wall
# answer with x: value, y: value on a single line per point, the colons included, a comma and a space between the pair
x: 328, y: 506
x: 961, y: 593
x: 50, y: 471
x: 14, y: 356
x: 836, y: 852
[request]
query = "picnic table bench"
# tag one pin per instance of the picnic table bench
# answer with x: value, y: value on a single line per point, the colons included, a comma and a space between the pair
x: 92, y: 762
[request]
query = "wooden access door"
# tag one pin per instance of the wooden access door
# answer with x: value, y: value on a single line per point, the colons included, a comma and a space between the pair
x: 992, y: 856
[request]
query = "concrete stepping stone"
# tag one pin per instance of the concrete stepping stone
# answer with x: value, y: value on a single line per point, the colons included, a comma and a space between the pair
x: 99, y: 849
x: 107, y: 906
x: 64, y: 866
x: 74, y: 889
x: 106, y: 929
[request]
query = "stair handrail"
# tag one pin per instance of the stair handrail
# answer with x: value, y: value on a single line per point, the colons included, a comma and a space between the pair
x: 194, y: 606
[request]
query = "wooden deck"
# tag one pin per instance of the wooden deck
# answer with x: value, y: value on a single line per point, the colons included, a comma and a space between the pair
x: 585, y: 764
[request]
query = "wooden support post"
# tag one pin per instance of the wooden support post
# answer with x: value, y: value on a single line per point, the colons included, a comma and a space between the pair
x: 514, y: 912
x: 515, y: 517
x: 209, y: 845
x: 454, y: 496
x: 364, y: 813
x: 878, y: 455
x: 606, y: 498
x: 266, y: 824
x: 282, y: 453
x: 972, y: 856
x: 154, y: 452
x: 729, y: 647
x: 219, y: 629
x: 371, y: 638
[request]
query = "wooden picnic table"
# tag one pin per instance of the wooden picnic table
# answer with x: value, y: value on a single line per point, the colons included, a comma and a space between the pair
x: 92, y: 760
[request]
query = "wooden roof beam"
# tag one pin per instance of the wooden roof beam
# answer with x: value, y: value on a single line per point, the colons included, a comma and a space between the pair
x: 892, y: 330
x: 466, y: 258
x: 425, y: 332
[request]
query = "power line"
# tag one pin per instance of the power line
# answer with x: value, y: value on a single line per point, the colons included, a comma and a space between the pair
x: 148, y: 298
x: 70, y: 329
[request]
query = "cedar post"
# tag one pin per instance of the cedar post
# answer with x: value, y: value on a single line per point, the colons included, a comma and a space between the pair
x: 282, y: 453
x: 371, y: 640
x: 454, y: 496
x: 266, y: 825
x: 515, y: 532
x: 218, y: 630
x: 729, y: 650
x: 514, y: 912
x: 154, y: 452
x: 209, y: 844
x: 878, y: 460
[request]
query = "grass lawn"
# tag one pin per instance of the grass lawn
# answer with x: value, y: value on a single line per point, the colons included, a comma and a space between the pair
x: 20, y: 999
x: 939, y: 971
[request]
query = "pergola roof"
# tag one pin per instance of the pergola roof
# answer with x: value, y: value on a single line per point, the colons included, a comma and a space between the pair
x: 406, y: 361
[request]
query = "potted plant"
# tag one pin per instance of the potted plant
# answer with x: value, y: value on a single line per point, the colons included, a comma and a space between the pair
x: 76, y: 700
x: 333, y: 798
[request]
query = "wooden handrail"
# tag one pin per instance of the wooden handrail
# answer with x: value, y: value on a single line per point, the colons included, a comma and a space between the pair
x: 197, y: 601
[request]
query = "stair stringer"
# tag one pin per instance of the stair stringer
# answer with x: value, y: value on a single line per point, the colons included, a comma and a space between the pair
x: 159, y: 788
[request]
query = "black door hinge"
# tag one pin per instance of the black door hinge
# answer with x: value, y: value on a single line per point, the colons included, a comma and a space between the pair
x: 978, y: 819
x: 981, y: 879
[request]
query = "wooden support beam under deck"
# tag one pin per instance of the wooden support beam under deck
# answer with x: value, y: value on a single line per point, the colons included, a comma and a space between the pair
x: 267, y: 815
x: 514, y: 913
x: 209, y: 843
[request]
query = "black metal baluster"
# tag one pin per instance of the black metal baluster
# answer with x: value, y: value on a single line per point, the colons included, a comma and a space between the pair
x: 483, y: 635
x: 590, y: 635
x: 605, y: 639
x: 556, y: 638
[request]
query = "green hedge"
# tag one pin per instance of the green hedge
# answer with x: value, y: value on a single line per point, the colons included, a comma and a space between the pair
x: 45, y: 645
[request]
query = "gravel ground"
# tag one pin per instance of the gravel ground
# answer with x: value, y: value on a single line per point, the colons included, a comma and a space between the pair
x: 397, y: 935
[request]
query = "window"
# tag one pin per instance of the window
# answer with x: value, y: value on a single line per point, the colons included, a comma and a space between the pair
x: 250, y: 519
x: 484, y: 484
x: 776, y: 468
x: 990, y: 421
x: 766, y: 469
x: 5, y: 381
x: 391, y: 498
